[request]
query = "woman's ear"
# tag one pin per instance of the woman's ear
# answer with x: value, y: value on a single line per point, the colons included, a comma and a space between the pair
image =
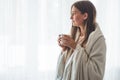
x: 85, y: 16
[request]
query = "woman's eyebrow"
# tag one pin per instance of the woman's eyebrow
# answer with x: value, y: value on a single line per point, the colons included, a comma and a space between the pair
x: 73, y: 11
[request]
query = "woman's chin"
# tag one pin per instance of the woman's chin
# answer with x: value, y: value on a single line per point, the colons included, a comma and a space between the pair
x: 75, y: 25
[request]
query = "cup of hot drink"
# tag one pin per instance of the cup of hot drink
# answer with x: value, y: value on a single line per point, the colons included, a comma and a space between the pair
x: 60, y: 36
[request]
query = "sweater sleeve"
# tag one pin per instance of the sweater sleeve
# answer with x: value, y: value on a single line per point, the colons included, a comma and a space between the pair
x: 90, y: 65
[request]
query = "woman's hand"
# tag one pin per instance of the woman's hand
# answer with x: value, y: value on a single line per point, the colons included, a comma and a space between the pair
x: 59, y: 43
x: 66, y: 41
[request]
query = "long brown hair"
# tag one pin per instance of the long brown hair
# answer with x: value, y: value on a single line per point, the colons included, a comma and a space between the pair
x: 89, y: 8
x: 83, y: 7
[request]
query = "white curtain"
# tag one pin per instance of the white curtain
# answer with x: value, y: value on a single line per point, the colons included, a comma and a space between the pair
x: 29, y: 31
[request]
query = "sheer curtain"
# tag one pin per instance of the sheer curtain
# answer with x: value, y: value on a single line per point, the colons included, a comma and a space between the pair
x: 29, y: 31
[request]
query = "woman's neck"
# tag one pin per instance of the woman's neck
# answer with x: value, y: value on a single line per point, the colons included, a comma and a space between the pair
x: 82, y: 30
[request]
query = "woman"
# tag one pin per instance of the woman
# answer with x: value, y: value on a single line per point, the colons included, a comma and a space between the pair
x: 84, y: 50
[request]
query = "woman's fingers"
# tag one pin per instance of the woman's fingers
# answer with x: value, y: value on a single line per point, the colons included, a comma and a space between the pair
x: 60, y: 42
x: 67, y: 37
x: 66, y: 41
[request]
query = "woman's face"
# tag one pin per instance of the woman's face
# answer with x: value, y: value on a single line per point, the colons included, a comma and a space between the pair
x: 77, y: 17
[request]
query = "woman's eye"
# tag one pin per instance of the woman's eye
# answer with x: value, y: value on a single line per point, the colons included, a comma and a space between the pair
x: 73, y: 14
